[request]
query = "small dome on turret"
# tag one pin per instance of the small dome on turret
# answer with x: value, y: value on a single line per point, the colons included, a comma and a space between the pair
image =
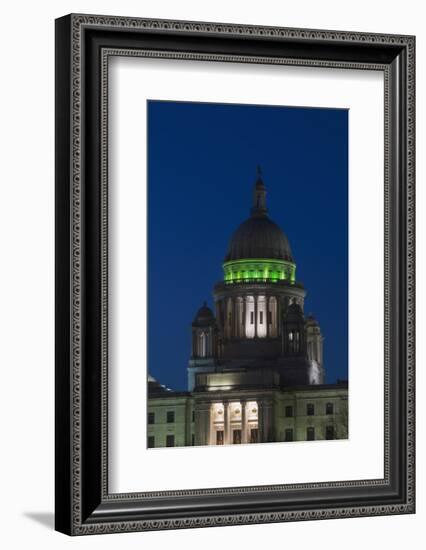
x: 311, y: 321
x: 204, y: 316
x: 294, y: 313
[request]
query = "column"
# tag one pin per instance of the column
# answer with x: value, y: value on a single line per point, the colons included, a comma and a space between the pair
x: 243, y: 422
x: 225, y: 423
x: 211, y: 430
x: 233, y: 318
x: 267, y: 315
x: 244, y: 317
x: 267, y: 411
x: 260, y: 420
x: 208, y: 423
x: 278, y: 316
x: 255, y: 315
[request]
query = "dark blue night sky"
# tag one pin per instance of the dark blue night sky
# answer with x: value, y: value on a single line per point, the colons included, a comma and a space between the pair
x: 202, y: 162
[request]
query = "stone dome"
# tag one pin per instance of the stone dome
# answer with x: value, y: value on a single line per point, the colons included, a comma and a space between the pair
x: 204, y: 316
x: 261, y: 238
x: 311, y: 321
x: 294, y: 313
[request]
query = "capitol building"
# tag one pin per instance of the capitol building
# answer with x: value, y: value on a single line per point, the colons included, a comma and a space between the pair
x: 256, y: 372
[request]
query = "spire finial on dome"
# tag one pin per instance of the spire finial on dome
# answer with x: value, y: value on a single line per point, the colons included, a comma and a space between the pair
x: 259, y: 196
x: 259, y: 180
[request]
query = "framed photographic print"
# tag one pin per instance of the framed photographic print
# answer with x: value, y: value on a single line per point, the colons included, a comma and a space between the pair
x: 234, y: 274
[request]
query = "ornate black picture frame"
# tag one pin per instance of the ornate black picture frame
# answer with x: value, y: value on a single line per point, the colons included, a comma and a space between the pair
x: 83, y: 45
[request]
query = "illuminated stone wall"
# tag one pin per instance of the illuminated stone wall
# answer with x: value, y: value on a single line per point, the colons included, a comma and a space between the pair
x: 182, y: 427
x: 329, y: 406
x: 251, y: 416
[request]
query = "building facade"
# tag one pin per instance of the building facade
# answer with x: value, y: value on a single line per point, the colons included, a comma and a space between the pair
x: 256, y: 370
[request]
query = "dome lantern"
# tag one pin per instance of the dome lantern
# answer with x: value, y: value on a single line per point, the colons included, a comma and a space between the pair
x: 259, y: 197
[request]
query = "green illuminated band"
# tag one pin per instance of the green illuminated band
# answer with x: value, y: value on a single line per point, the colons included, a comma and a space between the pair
x: 256, y: 269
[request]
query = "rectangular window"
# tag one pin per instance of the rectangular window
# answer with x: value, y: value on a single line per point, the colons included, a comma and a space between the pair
x: 289, y: 411
x: 310, y: 434
x: 193, y: 416
x: 193, y: 439
x: 288, y: 434
x: 254, y: 435
x: 151, y: 441
x: 236, y: 437
x: 219, y: 437
x: 151, y: 418
x: 261, y: 317
x: 251, y: 317
x: 170, y: 440
x: 329, y: 408
x: 329, y: 432
x: 310, y: 409
x: 170, y: 417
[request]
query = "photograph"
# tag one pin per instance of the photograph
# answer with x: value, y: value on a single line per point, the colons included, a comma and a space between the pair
x: 234, y: 271
x: 247, y: 274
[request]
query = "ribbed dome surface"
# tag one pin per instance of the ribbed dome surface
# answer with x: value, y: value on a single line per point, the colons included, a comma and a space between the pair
x: 259, y: 237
